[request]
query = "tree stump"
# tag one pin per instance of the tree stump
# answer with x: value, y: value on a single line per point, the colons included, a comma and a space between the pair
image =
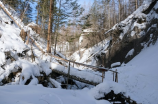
x: 23, y: 35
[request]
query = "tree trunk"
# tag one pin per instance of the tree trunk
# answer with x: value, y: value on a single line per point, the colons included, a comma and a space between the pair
x: 136, y: 4
x: 119, y: 10
x: 37, y: 12
x: 50, y: 26
x: 57, y: 27
x: 109, y: 15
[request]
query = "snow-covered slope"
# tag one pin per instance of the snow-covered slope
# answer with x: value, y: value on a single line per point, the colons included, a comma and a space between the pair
x: 139, y: 76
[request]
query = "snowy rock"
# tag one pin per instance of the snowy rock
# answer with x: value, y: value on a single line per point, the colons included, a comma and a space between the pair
x: 130, y: 53
x: 105, y: 87
x: 115, y: 64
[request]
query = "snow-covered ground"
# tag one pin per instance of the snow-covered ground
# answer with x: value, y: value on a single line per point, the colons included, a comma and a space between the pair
x: 140, y: 75
x: 40, y: 95
x: 138, y: 78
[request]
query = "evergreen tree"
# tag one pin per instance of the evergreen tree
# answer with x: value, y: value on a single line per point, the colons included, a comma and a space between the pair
x: 13, y: 3
x: 25, y: 10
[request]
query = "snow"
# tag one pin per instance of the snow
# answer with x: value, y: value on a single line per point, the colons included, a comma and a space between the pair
x: 11, y: 42
x: 81, y: 38
x: 19, y: 94
x: 139, y: 76
x: 2, y: 58
x: 88, y: 30
x: 34, y: 81
x: 55, y: 83
x: 105, y: 87
x: 32, y: 24
x: 88, y: 54
x: 130, y: 53
x: 115, y: 64
x: 102, y: 102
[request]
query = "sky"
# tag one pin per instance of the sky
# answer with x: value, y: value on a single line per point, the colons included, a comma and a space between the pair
x: 85, y: 1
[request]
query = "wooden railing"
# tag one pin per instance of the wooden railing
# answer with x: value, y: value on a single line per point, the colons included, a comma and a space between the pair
x: 95, y: 68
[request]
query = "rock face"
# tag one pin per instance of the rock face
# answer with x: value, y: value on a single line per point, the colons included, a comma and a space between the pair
x: 137, y: 31
x: 90, y: 37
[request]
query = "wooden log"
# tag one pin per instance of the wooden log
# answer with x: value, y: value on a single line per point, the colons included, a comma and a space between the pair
x: 76, y: 78
x: 37, y: 45
x: 116, y: 76
x: 10, y: 16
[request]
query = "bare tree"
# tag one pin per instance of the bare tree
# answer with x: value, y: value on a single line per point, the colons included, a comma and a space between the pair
x: 136, y: 2
x: 119, y: 1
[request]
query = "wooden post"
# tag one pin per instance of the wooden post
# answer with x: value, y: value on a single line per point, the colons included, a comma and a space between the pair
x: 113, y: 76
x: 103, y: 75
x: 116, y: 76
x: 28, y: 36
x: 68, y: 74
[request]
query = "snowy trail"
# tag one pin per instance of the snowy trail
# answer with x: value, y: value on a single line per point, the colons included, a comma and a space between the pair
x: 40, y: 95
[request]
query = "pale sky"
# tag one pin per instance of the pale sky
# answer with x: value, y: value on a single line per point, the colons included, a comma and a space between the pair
x: 85, y: 1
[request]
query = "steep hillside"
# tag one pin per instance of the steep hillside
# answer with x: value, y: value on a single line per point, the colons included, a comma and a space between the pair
x: 139, y: 76
x: 126, y: 39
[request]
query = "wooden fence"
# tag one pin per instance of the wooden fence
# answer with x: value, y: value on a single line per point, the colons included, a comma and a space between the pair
x: 95, y: 68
